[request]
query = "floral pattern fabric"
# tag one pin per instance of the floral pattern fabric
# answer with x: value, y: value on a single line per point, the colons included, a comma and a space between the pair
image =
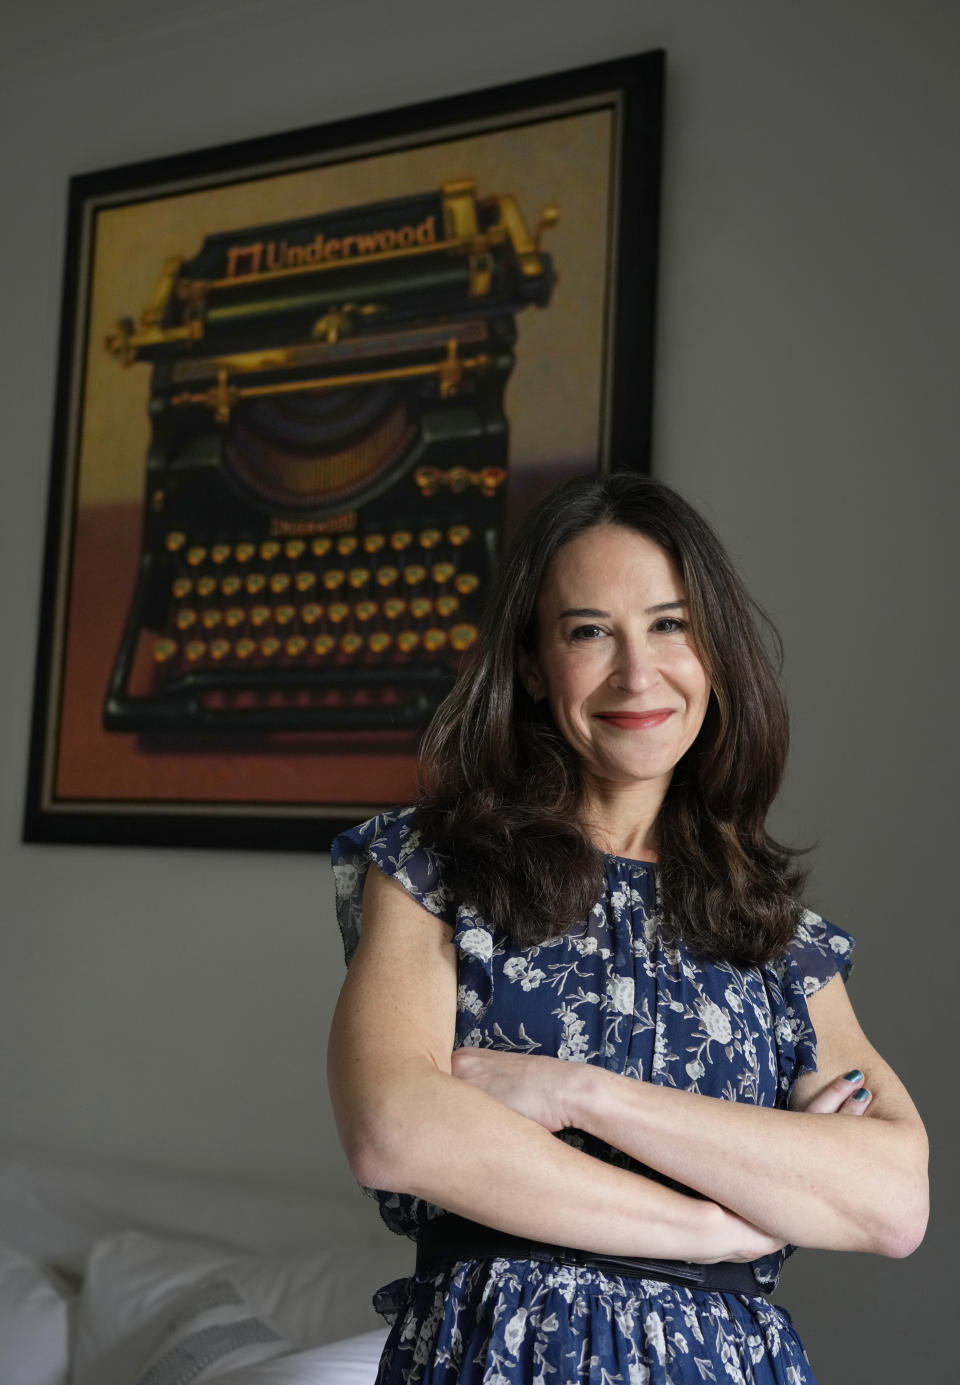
x: 612, y: 992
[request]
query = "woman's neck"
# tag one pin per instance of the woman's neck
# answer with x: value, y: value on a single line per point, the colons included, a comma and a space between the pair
x: 622, y: 818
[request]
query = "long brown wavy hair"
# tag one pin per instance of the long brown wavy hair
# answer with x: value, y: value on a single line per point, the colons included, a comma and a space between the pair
x: 501, y: 794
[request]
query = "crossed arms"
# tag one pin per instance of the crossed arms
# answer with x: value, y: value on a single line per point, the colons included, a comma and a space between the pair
x: 471, y: 1132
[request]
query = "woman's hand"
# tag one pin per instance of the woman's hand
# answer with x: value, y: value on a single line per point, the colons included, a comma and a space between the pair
x: 738, y: 1240
x: 538, y: 1087
x: 845, y: 1095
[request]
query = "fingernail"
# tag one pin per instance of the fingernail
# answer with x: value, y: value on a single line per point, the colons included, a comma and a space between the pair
x: 855, y: 1075
x: 861, y: 1095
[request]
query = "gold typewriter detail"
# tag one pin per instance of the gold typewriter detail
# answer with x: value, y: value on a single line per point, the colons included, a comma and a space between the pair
x: 329, y: 461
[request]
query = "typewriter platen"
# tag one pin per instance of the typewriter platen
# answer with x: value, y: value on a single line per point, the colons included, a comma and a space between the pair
x: 327, y: 472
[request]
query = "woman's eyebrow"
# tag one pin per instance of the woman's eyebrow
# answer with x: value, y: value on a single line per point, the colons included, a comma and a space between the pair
x: 604, y: 615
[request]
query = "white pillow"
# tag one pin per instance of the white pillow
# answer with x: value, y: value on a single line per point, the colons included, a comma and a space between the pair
x: 350, y: 1362
x: 134, y: 1281
x: 34, y: 1323
x: 212, y: 1334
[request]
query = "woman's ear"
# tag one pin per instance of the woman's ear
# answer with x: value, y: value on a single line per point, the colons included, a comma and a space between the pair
x: 530, y: 676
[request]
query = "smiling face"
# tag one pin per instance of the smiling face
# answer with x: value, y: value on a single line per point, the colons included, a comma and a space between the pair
x: 616, y: 659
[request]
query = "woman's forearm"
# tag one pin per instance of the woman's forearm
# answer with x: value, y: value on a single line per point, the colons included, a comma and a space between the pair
x: 422, y: 1132
x: 837, y: 1183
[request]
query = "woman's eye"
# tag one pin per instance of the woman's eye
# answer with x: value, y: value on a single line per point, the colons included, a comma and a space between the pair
x: 670, y: 625
x: 586, y: 632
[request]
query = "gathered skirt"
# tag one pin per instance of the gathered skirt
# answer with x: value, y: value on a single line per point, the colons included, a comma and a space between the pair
x: 523, y: 1322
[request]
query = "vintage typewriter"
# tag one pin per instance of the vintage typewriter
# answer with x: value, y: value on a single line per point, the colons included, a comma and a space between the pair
x: 326, y: 477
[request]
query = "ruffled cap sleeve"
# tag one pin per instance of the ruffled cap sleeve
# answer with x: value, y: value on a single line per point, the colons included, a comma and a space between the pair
x: 391, y: 841
x: 819, y: 951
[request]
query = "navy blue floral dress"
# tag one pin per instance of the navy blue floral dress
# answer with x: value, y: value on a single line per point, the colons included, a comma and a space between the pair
x: 614, y: 993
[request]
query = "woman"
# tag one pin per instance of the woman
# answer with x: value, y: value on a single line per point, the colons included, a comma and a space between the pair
x: 585, y: 931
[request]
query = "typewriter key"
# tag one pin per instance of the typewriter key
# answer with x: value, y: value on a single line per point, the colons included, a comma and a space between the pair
x: 185, y: 618
x: 196, y: 555
x: 220, y: 649
x: 294, y: 646
x: 446, y: 605
x: 491, y: 479
x: 269, y: 646
x: 279, y: 582
x: 420, y: 607
x: 211, y: 619
x: 294, y: 549
x: 442, y: 572
x: 321, y: 546
x: 366, y: 610
x: 245, y: 647
x: 463, y: 636
x: 373, y: 543
x: 429, y: 479
x: 206, y: 586
x: 231, y: 584
x: 407, y: 641
x: 347, y: 544
x: 244, y: 552
x: 351, y: 643
x: 358, y: 577
x: 338, y: 612
x: 174, y: 541
x: 414, y: 573
x: 466, y: 582
x: 387, y: 575
x: 259, y: 616
x: 434, y: 639
x: 164, y: 651
x: 429, y: 538
x: 401, y: 539
x: 283, y: 615
x: 333, y: 578
x: 269, y: 550
x: 182, y: 586
x: 234, y: 616
x: 394, y: 607
x: 219, y: 553
x: 254, y: 582
x: 323, y: 644
x: 379, y: 642
x: 459, y: 534
x: 305, y: 581
x: 311, y: 613
x: 195, y: 650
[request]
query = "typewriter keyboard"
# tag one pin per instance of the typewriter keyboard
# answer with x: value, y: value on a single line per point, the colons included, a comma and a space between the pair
x: 378, y: 598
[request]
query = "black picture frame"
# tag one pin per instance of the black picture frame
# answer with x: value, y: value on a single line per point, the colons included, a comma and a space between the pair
x: 625, y: 97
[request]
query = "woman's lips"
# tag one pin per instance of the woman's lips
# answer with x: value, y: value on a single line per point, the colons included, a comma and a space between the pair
x: 636, y: 721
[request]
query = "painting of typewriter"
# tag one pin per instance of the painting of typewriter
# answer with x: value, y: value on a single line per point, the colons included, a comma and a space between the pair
x: 328, y: 464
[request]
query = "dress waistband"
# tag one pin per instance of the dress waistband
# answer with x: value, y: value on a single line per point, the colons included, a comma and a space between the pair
x: 448, y: 1238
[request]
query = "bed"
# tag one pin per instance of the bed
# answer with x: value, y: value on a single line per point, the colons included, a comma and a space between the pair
x: 114, y: 1275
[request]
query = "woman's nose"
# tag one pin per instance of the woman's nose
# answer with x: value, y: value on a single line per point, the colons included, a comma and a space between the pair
x: 634, y: 670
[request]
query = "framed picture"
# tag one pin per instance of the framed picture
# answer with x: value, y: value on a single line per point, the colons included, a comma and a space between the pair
x: 307, y: 384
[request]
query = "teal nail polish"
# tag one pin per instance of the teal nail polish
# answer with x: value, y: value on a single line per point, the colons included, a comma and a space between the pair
x: 855, y: 1075
x: 861, y: 1095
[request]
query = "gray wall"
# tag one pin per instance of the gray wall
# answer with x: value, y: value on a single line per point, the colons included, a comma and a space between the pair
x: 172, y: 1007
